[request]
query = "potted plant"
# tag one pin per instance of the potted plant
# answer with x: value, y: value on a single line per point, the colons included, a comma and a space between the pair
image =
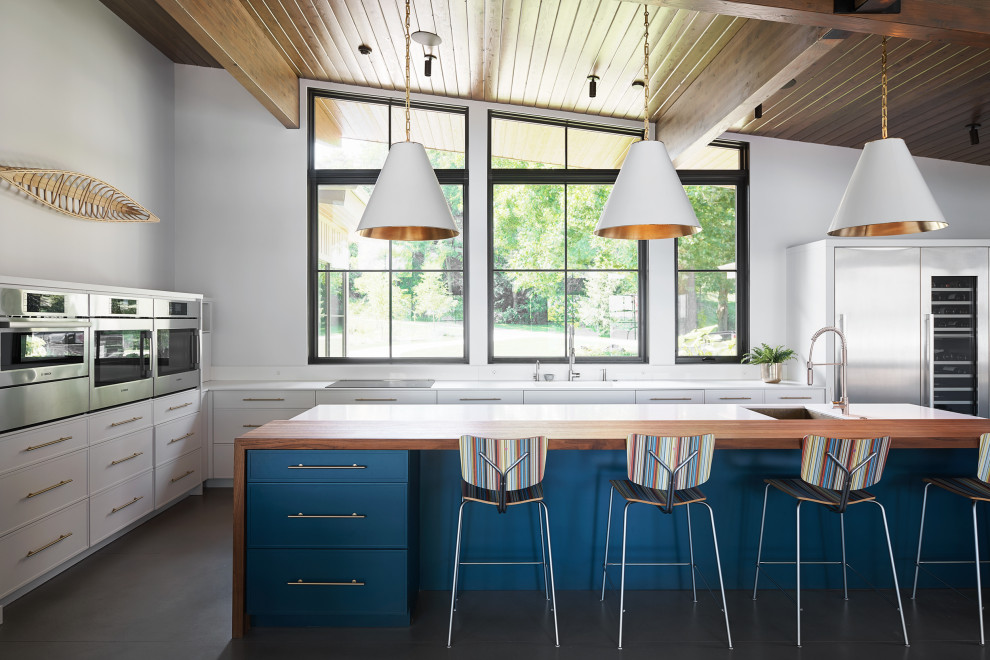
x: 771, y: 360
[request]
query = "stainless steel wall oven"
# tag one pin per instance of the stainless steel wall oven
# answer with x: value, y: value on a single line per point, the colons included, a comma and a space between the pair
x: 120, y: 366
x: 176, y: 345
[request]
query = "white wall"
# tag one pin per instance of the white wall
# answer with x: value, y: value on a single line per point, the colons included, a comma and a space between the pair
x: 241, y: 235
x: 81, y: 91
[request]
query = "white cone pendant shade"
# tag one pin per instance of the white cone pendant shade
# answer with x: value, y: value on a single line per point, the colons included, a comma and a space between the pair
x: 647, y: 200
x: 886, y: 195
x: 407, y: 203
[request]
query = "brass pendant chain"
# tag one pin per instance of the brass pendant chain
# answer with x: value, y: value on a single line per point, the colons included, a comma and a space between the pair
x: 646, y: 72
x: 883, y: 89
x: 407, y: 74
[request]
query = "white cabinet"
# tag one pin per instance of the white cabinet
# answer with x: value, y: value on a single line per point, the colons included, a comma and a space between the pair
x: 42, y: 443
x: 174, y: 406
x: 734, y: 396
x: 480, y: 396
x: 580, y: 396
x: 39, y: 547
x: 119, y: 506
x: 794, y: 396
x: 304, y: 399
x: 120, y: 421
x: 670, y: 397
x: 177, y: 478
x: 177, y: 437
x: 38, y: 490
x: 178, y: 442
x: 119, y: 459
x: 372, y: 396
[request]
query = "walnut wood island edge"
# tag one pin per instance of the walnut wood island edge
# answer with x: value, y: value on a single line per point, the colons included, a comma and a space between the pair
x: 575, y: 427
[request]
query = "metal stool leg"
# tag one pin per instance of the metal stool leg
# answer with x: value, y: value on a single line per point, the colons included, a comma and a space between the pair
x: 721, y: 583
x: 694, y: 588
x: 797, y: 566
x: 546, y: 584
x: 979, y: 585
x: 608, y: 531
x: 921, y: 534
x: 893, y: 568
x: 457, y: 563
x: 759, y: 549
x: 553, y: 590
x: 842, y: 533
x: 622, y: 580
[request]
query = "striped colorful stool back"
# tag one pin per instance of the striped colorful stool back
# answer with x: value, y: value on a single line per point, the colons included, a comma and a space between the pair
x: 503, y: 465
x: 669, y: 463
x: 983, y: 465
x: 843, y: 464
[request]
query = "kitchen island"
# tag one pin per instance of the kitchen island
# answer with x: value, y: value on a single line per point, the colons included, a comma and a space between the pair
x: 575, y: 478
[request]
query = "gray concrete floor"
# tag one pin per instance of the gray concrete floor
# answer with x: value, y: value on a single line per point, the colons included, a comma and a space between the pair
x: 163, y: 591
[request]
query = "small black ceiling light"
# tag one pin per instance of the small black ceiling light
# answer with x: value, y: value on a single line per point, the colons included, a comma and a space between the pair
x: 758, y: 112
x: 638, y: 83
x: 593, y: 86
x: 429, y: 41
x: 974, y: 134
x: 364, y: 49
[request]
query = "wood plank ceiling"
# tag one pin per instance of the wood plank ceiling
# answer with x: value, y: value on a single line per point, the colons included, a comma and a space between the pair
x: 539, y: 53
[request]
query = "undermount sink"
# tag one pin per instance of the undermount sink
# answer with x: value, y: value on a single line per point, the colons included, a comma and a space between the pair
x: 796, y: 412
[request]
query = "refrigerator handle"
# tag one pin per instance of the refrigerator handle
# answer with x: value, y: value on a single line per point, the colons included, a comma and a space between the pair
x: 929, y: 361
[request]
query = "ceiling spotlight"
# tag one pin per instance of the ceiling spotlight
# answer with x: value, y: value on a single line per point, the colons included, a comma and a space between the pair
x: 364, y: 49
x: 790, y: 83
x: 593, y: 86
x: 974, y: 133
x: 758, y: 112
x: 429, y: 41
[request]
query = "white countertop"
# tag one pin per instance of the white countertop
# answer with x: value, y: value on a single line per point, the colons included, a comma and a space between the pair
x: 521, y: 385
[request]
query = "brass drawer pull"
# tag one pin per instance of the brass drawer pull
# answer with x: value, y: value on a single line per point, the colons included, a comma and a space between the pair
x: 369, y: 399
x: 352, y: 583
x: 171, y: 408
x: 181, y: 476
x: 48, y: 444
x: 795, y: 397
x: 327, y: 467
x: 45, y: 490
x: 670, y: 398
x: 491, y: 398
x: 187, y: 435
x: 259, y: 399
x: 353, y: 516
x: 126, y: 421
x: 124, y: 506
x: 252, y: 426
x: 734, y: 398
x: 61, y: 537
x: 124, y: 460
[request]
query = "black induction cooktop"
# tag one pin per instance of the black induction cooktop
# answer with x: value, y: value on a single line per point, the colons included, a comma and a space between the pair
x: 424, y: 384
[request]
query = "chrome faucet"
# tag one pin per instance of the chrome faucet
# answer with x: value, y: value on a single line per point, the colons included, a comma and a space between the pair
x: 536, y: 376
x: 571, y: 374
x: 843, y: 403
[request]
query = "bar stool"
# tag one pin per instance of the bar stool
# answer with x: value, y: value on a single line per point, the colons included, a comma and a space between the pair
x: 503, y: 473
x: 976, y: 489
x: 664, y: 472
x: 834, y: 472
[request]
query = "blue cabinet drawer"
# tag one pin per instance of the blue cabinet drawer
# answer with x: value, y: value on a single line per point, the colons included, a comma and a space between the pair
x: 303, y: 586
x: 327, y: 515
x: 327, y: 465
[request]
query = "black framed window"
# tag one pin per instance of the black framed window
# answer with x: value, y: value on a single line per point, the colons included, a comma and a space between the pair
x: 711, y: 268
x: 373, y: 300
x: 548, y: 183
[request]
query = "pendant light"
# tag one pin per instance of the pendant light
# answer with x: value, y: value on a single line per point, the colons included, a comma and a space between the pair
x: 647, y: 200
x: 407, y: 203
x: 887, y: 195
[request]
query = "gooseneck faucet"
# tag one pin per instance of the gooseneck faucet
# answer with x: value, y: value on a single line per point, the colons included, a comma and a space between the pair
x: 843, y: 403
x: 571, y: 374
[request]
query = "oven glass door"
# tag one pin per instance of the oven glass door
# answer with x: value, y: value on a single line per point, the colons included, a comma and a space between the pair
x: 177, y: 351
x: 121, y: 356
x: 33, y: 349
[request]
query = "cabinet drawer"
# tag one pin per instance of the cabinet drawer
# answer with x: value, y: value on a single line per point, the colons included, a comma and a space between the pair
x: 175, y: 438
x: 734, y: 396
x: 580, y: 396
x: 19, y: 449
x: 223, y: 462
x: 326, y: 515
x: 326, y: 582
x: 119, y: 459
x: 120, y: 421
x: 178, y: 405
x: 794, y: 396
x: 228, y: 425
x: 265, y: 399
x: 327, y: 465
x: 386, y: 396
x: 36, y: 491
x: 117, y: 507
x: 670, y: 396
x: 176, y: 478
x: 33, y: 550
x: 479, y: 396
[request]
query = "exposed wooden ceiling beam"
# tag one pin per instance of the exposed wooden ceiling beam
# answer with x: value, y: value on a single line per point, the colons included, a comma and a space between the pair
x: 231, y: 35
x: 958, y: 21
x: 760, y: 59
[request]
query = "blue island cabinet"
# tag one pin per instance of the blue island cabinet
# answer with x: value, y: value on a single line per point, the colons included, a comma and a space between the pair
x: 331, y: 537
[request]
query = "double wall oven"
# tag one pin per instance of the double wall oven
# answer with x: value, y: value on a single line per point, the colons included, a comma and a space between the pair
x: 44, y: 356
x: 176, y: 345
x: 120, y: 363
